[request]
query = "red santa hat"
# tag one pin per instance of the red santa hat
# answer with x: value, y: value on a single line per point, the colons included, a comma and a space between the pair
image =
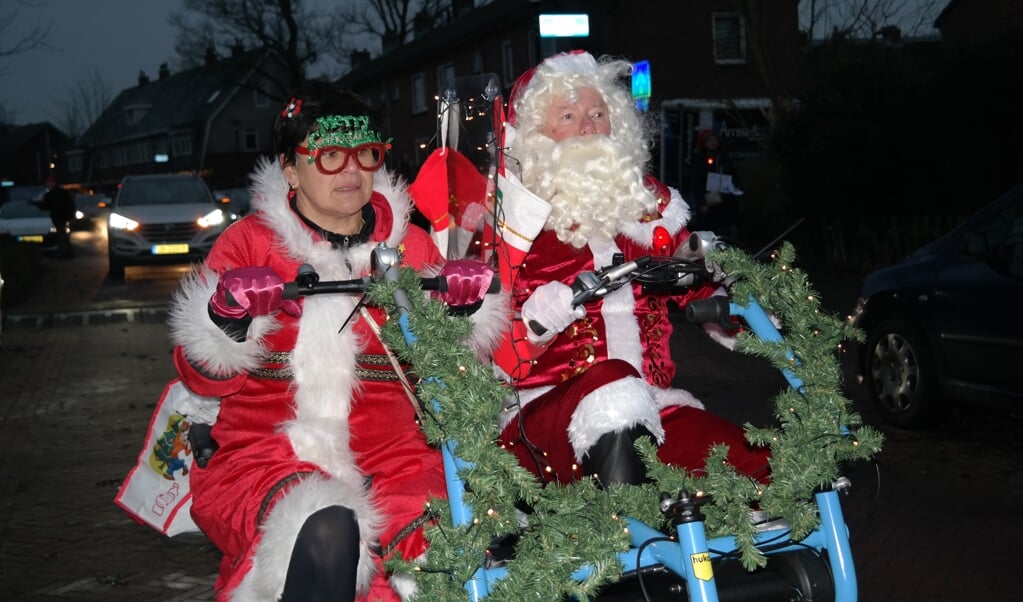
x: 702, y: 136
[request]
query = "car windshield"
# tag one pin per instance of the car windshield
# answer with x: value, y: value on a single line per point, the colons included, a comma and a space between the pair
x: 15, y: 209
x: 163, y: 191
x: 21, y: 193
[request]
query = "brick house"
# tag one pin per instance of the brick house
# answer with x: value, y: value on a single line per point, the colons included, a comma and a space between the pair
x: 214, y: 120
x: 712, y: 64
x: 27, y: 152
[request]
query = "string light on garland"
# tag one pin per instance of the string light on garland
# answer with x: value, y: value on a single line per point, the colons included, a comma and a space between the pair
x: 816, y: 430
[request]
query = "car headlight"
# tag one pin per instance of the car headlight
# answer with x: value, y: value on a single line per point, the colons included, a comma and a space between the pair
x: 119, y: 222
x: 213, y: 218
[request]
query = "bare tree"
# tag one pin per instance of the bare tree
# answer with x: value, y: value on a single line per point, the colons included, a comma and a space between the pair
x: 865, y: 19
x: 83, y: 103
x: 288, y: 27
x: 35, y: 37
x: 383, y: 22
x: 13, y: 42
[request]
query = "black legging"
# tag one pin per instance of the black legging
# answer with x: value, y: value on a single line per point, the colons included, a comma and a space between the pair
x: 325, y: 559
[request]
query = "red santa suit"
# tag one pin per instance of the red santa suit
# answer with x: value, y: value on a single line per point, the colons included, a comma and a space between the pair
x: 311, y: 412
x: 612, y: 369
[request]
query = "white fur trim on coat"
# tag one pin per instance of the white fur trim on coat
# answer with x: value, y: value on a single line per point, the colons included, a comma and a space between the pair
x: 265, y: 580
x: 674, y: 216
x: 616, y: 406
x: 204, y: 343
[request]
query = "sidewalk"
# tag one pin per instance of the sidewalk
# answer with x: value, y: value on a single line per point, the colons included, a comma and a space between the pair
x: 82, y: 365
x: 75, y: 405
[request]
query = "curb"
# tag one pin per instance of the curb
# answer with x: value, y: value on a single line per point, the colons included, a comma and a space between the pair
x: 92, y: 317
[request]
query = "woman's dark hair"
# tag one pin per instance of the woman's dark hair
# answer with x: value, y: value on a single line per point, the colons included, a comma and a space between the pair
x: 318, y: 99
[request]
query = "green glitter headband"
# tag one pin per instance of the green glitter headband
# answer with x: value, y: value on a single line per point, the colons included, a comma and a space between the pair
x: 341, y: 130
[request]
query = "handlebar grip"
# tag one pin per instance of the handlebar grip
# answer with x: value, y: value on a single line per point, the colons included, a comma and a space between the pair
x: 290, y: 290
x: 440, y: 284
x: 704, y: 311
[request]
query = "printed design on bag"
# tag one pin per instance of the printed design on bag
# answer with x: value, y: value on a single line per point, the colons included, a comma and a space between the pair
x: 165, y: 500
x: 172, y: 450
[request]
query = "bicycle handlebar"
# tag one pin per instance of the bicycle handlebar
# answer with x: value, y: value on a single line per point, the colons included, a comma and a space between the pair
x: 684, y: 269
x: 308, y: 283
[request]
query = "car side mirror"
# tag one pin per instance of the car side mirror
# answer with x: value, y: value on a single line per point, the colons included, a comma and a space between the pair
x: 975, y: 245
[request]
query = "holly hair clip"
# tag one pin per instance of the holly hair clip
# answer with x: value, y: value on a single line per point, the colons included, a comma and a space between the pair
x: 293, y: 108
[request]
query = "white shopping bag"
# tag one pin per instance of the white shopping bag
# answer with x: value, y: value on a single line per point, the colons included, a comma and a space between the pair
x: 156, y: 491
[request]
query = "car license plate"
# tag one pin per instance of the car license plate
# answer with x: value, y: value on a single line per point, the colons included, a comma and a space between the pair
x: 176, y: 249
x: 33, y: 238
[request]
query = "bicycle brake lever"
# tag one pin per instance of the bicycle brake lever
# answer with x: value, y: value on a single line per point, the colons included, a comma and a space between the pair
x: 586, y: 286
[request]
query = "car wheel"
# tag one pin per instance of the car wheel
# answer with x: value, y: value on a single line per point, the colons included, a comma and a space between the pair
x: 116, y: 271
x: 901, y: 375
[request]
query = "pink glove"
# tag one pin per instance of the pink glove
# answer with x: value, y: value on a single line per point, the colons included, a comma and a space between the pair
x: 255, y: 291
x: 549, y: 311
x: 467, y: 282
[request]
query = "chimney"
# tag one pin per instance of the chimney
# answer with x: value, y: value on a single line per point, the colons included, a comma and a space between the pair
x: 461, y: 7
x: 211, y: 55
x: 359, y: 58
x: 143, y: 78
x: 164, y: 71
x: 422, y: 23
x: 890, y: 34
x: 389, y: 41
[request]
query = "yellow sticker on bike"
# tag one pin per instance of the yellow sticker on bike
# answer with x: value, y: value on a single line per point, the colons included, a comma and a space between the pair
x: 702, y: 568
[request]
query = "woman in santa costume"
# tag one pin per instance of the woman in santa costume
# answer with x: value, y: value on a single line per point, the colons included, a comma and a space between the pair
x: 591, y: 380
x: 322, y: 471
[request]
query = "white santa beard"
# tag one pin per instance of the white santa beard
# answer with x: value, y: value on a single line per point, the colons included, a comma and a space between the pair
x: 594, y: 188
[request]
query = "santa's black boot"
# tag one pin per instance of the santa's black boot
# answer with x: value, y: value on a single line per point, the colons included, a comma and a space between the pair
x: 613, y: 459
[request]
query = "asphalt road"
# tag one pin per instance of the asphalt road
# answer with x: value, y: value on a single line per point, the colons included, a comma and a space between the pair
x: 937, y: 517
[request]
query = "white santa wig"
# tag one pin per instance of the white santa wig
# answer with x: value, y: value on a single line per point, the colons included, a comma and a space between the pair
x: 561, y: 75
x: 595, y: 184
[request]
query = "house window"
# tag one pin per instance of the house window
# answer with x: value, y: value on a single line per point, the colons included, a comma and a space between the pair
x: 445, y: 78
x: 476, y: 61
x: 74, y: 163
x: 729, y: 38
x: 394, y: 91
x: 136, y: 153
x: 181, y: 145
x: 508, y: 62
x: 250, y: 140
x: 260, y: 99
x: 418, y: 93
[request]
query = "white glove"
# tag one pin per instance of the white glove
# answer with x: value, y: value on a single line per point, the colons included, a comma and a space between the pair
x: 549, y: 310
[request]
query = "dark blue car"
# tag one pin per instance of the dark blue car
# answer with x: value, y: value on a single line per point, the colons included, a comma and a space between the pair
x: 942, y: 324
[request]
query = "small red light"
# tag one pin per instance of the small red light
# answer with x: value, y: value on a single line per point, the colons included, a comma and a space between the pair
x: 661, y: 240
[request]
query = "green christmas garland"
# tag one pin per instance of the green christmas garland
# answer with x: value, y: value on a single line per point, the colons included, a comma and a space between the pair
x: 578, y: 524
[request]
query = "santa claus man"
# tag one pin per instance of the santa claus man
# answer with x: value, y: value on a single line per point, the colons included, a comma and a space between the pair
x: 590, y: 380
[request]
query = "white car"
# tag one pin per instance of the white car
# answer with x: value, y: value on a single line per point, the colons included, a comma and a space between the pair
x: 24, y: 221
x: 162, y: 219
